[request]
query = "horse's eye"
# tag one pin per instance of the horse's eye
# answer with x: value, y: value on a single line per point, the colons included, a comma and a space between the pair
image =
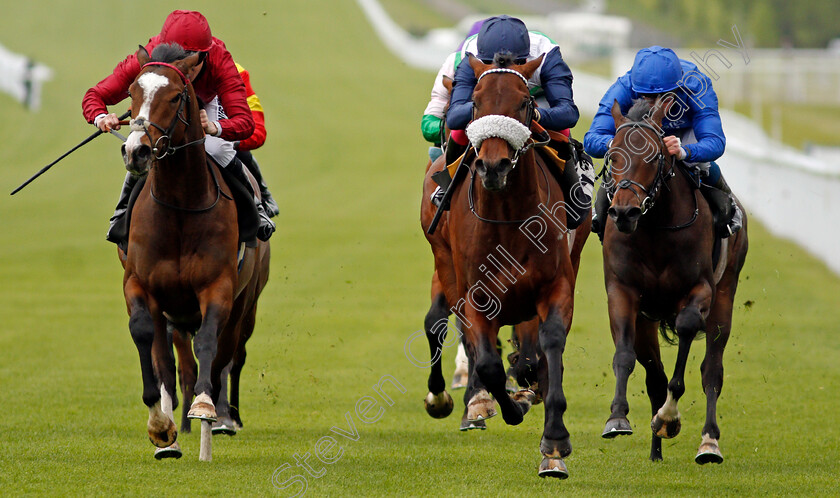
x: 176, y: 99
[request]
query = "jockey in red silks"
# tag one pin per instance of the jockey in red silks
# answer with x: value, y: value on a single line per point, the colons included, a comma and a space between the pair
x: 216, y: 81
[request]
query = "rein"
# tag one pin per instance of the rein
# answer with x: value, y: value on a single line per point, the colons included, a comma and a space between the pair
x: 518, y: 151
x: 503, y: 222
x: 661, y: 178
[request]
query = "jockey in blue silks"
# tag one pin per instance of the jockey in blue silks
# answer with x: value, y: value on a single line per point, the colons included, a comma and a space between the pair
x: 505, y: 35
x: 692, y: 128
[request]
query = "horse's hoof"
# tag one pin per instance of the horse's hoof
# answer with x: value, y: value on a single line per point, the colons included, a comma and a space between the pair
x: 163, y: 437
x: 553, y: 467
x: 440, y: 405
x: 617, y: 427
x: 466, y: 425
x: 709, y: 452
x: 224, y: 426
x: 525, y: 398
x: 202, y: 409
x: 481, y: 407
x: 171, y: 451
x: 459, y: 380
x: 665, y: 429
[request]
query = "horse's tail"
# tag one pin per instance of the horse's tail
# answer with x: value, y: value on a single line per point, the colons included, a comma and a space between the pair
x: 668, y: 332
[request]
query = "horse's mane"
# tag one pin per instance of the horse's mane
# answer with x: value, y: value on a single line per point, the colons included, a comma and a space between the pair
x: 503, y: 59
x: 169, y: 52
x: 641, y: 108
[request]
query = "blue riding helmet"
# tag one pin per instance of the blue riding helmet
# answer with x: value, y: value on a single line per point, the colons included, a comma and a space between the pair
x: 655, y: 70
x: 503, y: 34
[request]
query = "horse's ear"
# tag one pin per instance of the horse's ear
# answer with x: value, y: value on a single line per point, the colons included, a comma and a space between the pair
x: 477, y: 66
x: 661, y: 107
x: 188, y: 63
x: 528, y: 68
x: 142, y: 56
x: 447, y: 83
x: 616, y: 114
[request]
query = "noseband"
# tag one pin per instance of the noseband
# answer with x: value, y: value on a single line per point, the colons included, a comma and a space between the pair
x: 652, y: 191
x: 163, y: 145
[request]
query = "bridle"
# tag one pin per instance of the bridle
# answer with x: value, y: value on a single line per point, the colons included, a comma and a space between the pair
x: 529, y: 114
x: 163, y: 145
x: 661, y: 178
x: 518, y: 151
x: 141, y: 124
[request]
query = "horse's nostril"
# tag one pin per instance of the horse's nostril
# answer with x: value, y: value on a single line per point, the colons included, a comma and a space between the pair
x: 634, y: 213
x: 143, y: 153
x: 479, y: 164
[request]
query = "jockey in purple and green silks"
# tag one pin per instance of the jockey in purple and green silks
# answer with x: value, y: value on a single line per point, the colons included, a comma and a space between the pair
x: 432, y: 123
x: 693, y: 131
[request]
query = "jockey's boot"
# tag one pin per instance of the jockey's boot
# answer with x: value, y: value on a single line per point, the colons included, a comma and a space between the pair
x: 599, y: 213
x: 267, y: 227
x: 453, y: 152
x: 115, y: 230
x: 722, y: 201
x: 268, y: 201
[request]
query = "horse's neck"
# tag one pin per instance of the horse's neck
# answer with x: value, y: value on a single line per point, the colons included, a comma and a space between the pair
x: 676, y: 202
x: 183, y: 179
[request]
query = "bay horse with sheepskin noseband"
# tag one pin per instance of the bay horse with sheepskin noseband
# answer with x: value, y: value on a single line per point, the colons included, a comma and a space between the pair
x: 490, y: 274
x: 181, y: 262
x: 658, y: 268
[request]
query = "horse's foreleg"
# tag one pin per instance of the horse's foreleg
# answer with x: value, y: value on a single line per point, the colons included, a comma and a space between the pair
x: 717, y: 335
x: 215, y: 314
x: 142, y: 328
x: 656, y: 382
x: 491, y: 372
x: 666, y: 423
x: 623, y: 309
x: 555, y: 444
x: 224, y: 423
x: 478, y: 405
x: 161, y: 425
x: 438, y: 402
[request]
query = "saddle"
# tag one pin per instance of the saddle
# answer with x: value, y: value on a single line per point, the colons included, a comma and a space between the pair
x: 246, y: 212
x: 562, y: 155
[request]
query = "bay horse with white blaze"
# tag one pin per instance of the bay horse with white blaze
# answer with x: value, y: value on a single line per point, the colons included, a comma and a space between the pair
x: 659, y: 251
x: 181, y: 262
x: 507, y: 185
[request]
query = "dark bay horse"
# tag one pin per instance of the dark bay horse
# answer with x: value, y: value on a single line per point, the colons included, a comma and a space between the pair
x: 181, y: 262
x: 658, y: 268
x: 490, y: 274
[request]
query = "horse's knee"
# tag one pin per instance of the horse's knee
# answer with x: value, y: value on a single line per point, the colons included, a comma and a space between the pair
x: 490, y: 369
x: 553, y: 334
x: 689, y: 321
x: 141, y: 327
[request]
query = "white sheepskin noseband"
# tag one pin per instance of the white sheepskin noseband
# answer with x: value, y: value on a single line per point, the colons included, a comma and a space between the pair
x: 495, y: 125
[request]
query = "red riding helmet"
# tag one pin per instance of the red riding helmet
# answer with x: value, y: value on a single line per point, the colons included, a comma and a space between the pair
x: 187, y: 28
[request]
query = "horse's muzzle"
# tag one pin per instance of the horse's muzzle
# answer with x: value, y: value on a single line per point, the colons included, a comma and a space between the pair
x: 138, y: 160
x: 493, y: 174
x: 626, y: 218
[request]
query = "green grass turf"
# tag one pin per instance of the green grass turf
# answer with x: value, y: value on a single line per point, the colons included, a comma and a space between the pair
x: 349, y: 285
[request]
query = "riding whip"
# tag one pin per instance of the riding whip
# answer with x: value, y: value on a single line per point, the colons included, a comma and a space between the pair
x: 50, y: 165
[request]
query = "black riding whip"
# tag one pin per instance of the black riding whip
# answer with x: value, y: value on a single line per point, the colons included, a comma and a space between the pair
x: 50, y: 165
x: 448, y: 194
